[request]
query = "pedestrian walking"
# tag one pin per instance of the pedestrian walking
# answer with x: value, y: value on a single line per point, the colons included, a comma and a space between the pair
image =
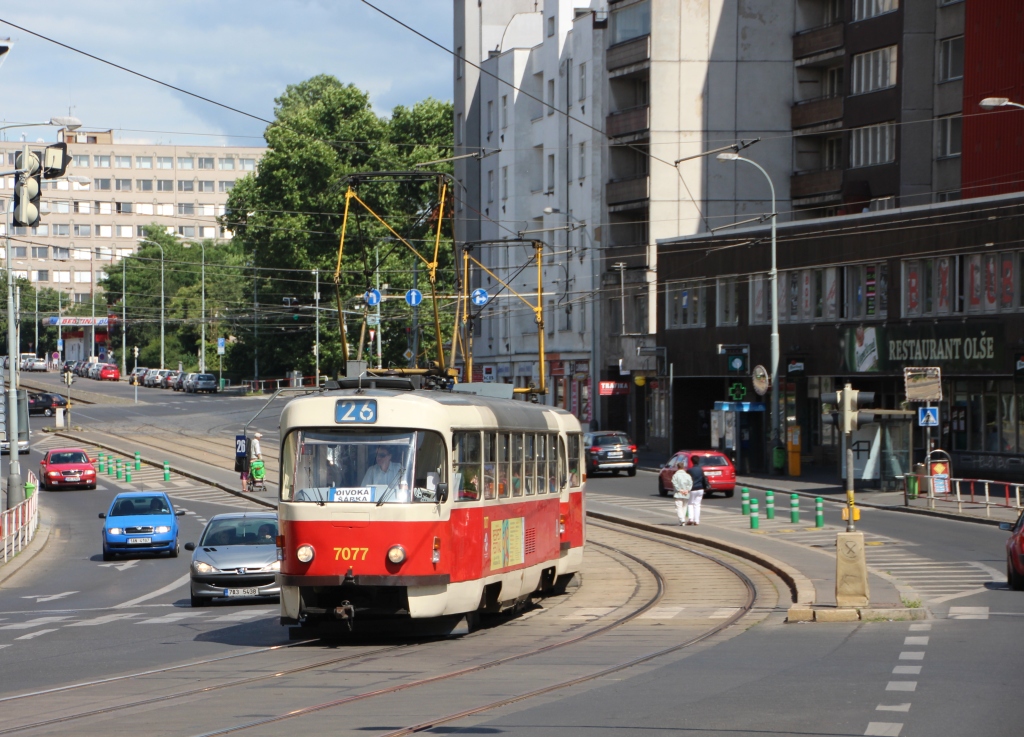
x: 696, y: 492
x: 682, y: 483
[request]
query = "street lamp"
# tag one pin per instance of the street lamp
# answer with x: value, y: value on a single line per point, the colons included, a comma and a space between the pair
x: 202, y: 344
x: 63, y: 121
x: 991, y: 103
x: 146, y: 240
x: 774, y: 278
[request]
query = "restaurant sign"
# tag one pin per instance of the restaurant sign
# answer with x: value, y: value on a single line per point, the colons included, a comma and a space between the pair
x: 958, y: 347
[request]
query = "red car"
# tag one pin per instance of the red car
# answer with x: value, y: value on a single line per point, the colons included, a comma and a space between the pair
x: 110, y: 372
x: 719, y: 472
x: 1015, y: 553
x: 67, y: 468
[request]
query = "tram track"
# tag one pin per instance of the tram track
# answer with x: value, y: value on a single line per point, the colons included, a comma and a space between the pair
x: 282, y: 674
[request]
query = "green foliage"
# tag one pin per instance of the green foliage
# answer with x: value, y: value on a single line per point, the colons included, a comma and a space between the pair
x: 287, y: 221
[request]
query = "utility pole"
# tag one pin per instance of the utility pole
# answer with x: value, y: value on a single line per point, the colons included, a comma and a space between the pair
x: 621, y: 268
x: 15, y: 491
x: 124, y: 319
x: 376, y: 250
x: 415, y: 316
x: 35, y: 315
x: 255, y: 326
x: 316, y: 299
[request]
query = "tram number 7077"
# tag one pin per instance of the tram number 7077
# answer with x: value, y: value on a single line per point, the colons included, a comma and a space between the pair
x: 350, y: 553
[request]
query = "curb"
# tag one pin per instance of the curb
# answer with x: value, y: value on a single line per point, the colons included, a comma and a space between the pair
x: 33, y: 549
x: 800, y: 587
x: 800, y: 613
x: 181, y: 472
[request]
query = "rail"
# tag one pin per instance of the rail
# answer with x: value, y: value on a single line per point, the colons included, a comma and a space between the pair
x: 945, y: 490
x: 18, y: 526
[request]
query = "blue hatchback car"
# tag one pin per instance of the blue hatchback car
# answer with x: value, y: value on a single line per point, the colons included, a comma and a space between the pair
x: 140, y: 522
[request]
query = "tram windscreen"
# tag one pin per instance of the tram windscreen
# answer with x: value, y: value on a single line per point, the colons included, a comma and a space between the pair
x: 324, y: 466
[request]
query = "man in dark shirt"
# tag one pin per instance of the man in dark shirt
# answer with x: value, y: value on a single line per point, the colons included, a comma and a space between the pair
x: 696, y: 492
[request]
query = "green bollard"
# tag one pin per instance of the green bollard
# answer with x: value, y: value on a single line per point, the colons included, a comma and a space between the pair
x: 745, y: 499
x: 769, y: 505
x: 119, y: 469
x: 794, y: 508
x: 819, y: 512
x: 128, y: 475
x: 167, y: 470
x: 102, y: 466
x: 755, y: 521
x: 110, y: 465
x: 138, y: 460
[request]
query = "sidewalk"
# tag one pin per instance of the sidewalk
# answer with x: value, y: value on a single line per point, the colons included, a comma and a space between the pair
x: 816, y: 481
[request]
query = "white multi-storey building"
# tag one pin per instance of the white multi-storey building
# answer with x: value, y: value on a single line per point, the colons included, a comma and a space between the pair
x: 86, y: 226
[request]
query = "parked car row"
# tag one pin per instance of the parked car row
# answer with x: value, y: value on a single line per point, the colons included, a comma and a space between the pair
x: 93, y: 370
x: 184, y: 381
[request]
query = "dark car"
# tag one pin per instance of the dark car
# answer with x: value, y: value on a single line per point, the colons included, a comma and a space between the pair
x: 610, y: 451
x: 67, y: 366
x: 1015, y: 553
x: 45, y: 404
x: 178, y: 384
x: 719, y: 473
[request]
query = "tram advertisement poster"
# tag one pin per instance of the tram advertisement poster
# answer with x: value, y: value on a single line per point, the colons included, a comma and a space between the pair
x: 507, y: 543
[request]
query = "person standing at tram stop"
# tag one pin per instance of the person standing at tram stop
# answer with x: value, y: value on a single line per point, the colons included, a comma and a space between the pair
x: 696, y: 492
x: 254, y: 452
x: 383, y: 472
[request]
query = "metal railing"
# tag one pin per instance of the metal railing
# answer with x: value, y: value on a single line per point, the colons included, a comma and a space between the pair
x: 978, y: 492
x: 271, y: 385
x: 18, y: 526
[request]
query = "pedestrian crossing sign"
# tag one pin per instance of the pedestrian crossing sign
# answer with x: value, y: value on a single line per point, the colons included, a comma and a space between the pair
x: 927, y: 416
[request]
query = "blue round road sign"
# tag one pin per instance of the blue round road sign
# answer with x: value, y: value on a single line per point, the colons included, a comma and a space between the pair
x: 413, y: 297
x: 480, y: 297
x: 373, y: 297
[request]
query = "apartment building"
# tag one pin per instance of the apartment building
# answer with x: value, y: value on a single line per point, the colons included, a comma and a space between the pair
x: 87, y: 226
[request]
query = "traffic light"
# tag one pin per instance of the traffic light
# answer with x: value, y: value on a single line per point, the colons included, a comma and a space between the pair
x: 135, y: 351
x: 835, y: 417
x: 291, y: 305
x: 847, y: 414
x: 55, y: 160
x: 27, y: 190
x: 69, y: 378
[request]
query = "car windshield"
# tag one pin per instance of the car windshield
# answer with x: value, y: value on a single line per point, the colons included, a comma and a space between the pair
x: 240, y: 531
x: 353, y: 466
x: 140, y: 506
x: 69, y: 457
x: 710, y: 461
x: 611, y: 440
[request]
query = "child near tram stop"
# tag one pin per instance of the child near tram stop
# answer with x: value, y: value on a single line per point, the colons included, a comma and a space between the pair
x: 682, y: 483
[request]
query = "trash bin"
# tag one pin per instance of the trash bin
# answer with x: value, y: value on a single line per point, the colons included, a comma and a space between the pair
x: 30, y: 489
x: 921, y: 478
x: 779, y: 459
x: 911, y: 480
x: 223, y: 383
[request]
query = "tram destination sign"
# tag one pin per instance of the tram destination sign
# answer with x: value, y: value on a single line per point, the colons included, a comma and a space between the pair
x: 923, y: 383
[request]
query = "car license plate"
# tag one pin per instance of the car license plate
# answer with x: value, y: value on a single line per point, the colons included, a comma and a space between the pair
x: 615, y: 454
x: 139, y: 540
x: 712, y: 473
x: 72, y: 478
x: 241, y: 592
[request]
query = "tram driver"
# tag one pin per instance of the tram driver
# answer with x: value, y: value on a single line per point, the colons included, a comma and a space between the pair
x: 383, y: 472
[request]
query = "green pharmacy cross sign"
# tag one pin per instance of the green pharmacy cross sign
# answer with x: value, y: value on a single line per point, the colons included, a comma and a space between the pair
x: 737, y: 391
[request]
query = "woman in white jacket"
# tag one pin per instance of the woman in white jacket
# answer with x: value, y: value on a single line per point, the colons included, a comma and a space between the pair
x: 682, y: 482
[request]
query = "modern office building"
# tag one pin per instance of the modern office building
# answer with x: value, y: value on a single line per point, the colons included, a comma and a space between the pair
x: 87, y: 226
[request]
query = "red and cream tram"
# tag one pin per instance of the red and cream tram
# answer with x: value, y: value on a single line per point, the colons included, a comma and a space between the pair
x: 423, y: 504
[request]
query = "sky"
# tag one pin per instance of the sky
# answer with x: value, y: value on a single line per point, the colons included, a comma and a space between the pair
x: 241, y: 53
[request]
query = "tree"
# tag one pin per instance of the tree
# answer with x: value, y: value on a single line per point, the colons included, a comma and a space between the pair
x: 286, y: 220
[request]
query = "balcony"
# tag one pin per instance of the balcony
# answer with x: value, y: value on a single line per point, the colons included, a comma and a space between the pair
x: 624, y: 122
x: 815, y: 183
x: 628, y: 190
x: 818, y: 111
x: 818, y: 40
x: 629, y: 52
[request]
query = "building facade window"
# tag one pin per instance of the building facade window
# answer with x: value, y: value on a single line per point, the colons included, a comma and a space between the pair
x: 504, y: 111
x: 186, y: 185
x: 40, y: 252
x: 164, y: 162
x: 102, y: 185
x: 83, y: 231
x: 226, y: 186
x: 583, y: 160
x: 582, y: 82
x: 490, y: 185
x: 101, y: 162
x: 504, y: 182
x: 874, y: 70
x: 684, y: 305
x: 164, y: 185
x: 872, y: 145
x: 948, y: 135
x: 630, y: 22
x: 185, y: 162
x: 205, y: 162
x: 186, y: 208
x: 80, y: 160
x: 727, y: 301
x: 123, y: 185
x: 866, y: 294
x: 144, y: 185
x: 863, y: 9
x: 123, y: 162
x: 143, y: 162
x: 951, y: 59
x: 41, y: 275
x: 247, y: 164
x: 551, y: 97
x: 226, y: 164
x: 188, y: 231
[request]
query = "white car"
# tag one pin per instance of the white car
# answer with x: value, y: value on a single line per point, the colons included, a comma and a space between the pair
x: 36, y: 364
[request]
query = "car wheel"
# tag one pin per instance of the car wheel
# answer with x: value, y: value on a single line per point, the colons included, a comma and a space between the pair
x: 47, y: 412
x: 615, y: 472
x: 661, y: 489
x: 93, y: 487
x: 1015, y: 581
x: 729, y: 493
x: 107, y: 555
x: 198, y: 601
x: 176, y: 550
x: 631, y: 472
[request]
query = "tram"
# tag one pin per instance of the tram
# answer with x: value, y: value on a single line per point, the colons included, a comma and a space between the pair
x: 400, y: 502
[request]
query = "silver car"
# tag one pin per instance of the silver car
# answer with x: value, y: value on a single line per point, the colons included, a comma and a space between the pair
x: 204, y: 383
x: 236, y: 557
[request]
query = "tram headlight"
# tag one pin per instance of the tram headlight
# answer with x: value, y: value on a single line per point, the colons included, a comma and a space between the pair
x: 396, y: 554
x: 304, y: 553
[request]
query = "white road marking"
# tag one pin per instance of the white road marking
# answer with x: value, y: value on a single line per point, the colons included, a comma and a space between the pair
x: 884, y: 729
x: 901, y: 686
x: 37, y: 633
x: 920, y: 627
x: 911, y: 655
x: 907, y: 670
x: 242, y: 616
x: 893, y: 707
x: 153, y: 594
x: 968, y: 612
x: 171, y: 618
x: 51, y: 597
x: 662, y: 612
x: 102, y: 620
x: 915, y: 640
x: 120, y: 566
x: 37, y: 622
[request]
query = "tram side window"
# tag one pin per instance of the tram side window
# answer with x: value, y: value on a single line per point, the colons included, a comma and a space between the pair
x: 556, y: 470
x: 561, y: 464
x: 490, y: 465
x: 530, y: 465
x: 466, y: 466
x: 504, y: 466
x: 575, y: 463
x: 542, y: 464
x: 517, y: 464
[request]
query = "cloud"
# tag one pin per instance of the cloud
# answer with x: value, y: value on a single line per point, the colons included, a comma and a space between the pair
x: 241, y: 53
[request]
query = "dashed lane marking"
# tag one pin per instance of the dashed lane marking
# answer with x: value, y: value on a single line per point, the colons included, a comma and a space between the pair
x: 901, y: 686
x: 907, y: 670
x: 884, y: 729
x: 33, y: 635
x: 37, y: 622
x: 920, y: 641
x: 912, y: 655
x: 893, y: 707
x: 105, y: 619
